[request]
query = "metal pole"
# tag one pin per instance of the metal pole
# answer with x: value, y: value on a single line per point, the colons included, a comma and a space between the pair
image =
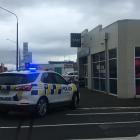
x: 107, y: 63
x: 16, y: 34
x: 19, y: 59
x: 17, y: 49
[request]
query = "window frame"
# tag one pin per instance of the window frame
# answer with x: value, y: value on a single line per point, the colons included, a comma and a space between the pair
x: 48, y: 75
x: 64, y: 81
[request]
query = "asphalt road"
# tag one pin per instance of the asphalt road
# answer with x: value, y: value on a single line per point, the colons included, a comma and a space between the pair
x: 99, y: 116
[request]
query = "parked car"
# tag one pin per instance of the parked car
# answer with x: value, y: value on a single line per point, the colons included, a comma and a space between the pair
x: 71, y: 76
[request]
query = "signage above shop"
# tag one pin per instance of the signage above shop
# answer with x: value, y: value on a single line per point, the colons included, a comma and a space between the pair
x: 75, y: 39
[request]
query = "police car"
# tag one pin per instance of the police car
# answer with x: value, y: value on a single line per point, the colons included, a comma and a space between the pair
x: 36, y: 91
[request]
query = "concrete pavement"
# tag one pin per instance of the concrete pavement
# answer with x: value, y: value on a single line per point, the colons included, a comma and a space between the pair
x: 96, y: 99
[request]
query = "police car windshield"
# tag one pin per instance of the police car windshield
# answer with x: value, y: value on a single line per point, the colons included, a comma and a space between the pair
x: 15, y: 79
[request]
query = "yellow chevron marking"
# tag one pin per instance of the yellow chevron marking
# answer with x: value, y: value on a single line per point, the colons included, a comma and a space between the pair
x: 19, y: 94
x: 49, y: 89
x: 74, y: 88
x: 40, y: 92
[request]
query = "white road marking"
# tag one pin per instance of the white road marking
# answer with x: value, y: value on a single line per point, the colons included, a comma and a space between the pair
x: 105, y: 113
x: 71, y: 124
x: 117, y: 138
x: 8, y: 127
x: 102, y: 108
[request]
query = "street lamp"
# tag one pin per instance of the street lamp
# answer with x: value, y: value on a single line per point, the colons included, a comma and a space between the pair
x: 16, y: 34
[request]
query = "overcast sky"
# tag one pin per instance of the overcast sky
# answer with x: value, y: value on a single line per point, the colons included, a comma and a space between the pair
x: 46, y: 24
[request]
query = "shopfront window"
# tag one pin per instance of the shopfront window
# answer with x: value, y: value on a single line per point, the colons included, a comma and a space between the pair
x: 137, y: 52
x: 102, y: 85
x: 113, y: 68
x: 102, y: 69
x: 98, y: 71
x: 83, y: 71
x: 112, y: 53
x: 113, y: 71
x: 96, y: 83
x: 113, y: 86
x: 137, y: 70
x: 95, y: 57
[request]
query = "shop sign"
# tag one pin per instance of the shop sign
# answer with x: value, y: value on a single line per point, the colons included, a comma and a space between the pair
x: 75, y: 39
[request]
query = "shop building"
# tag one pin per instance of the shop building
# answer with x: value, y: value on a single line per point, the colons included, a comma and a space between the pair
x: 109, y: 58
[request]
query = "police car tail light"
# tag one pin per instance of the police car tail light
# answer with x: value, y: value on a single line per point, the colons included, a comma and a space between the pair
x: 24, y: 88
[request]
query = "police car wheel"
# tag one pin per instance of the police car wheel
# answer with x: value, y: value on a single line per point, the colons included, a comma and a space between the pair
x: 75, y: 101
x: 42, y: 107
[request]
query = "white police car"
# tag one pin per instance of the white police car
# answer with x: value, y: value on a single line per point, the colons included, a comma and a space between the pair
x: 36, y: 91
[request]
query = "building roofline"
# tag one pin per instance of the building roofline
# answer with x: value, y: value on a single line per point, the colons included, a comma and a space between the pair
x: 118, y: 21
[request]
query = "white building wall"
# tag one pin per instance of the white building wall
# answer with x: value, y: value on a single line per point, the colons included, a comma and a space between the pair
x: 129, y: 33
x: 123, y: 35
x: 96, y: 43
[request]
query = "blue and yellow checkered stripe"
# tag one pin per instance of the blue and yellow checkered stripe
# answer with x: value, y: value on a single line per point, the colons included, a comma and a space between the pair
x: 41, y: 89
x: 19, y: 94
x: 7, y: 87
x: 50, y: 89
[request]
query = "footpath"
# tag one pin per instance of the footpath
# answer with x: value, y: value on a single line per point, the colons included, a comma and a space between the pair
x: 90, y: 98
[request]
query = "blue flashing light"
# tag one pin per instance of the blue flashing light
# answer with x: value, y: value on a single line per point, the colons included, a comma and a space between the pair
x: 33, y: 69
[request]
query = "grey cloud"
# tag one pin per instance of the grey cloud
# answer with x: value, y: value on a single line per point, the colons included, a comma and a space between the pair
x: 8, y: 57
x: 57, y: 51
x: 47, y: 38
x: 19, y: 3
x: 83, y: 5
x: 80, y: 4
x: 47, y: 28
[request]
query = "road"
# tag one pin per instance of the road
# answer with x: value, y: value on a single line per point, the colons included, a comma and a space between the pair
x: 90, y: 120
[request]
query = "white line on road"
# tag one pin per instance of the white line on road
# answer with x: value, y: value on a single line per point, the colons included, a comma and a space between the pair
x: 105, y: 113
x: 73, y: 124
x: 122, y: 107
x: 117, y: 138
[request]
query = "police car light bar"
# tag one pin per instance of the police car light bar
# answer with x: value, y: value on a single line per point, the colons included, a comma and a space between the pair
x: 32, y: 69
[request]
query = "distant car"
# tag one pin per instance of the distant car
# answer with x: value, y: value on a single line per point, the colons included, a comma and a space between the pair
x: 71, y: 76
x: 36, y: 91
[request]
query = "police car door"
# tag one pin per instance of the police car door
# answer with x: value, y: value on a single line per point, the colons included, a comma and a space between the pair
x: 48, y: 81
x: 66, y: 90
